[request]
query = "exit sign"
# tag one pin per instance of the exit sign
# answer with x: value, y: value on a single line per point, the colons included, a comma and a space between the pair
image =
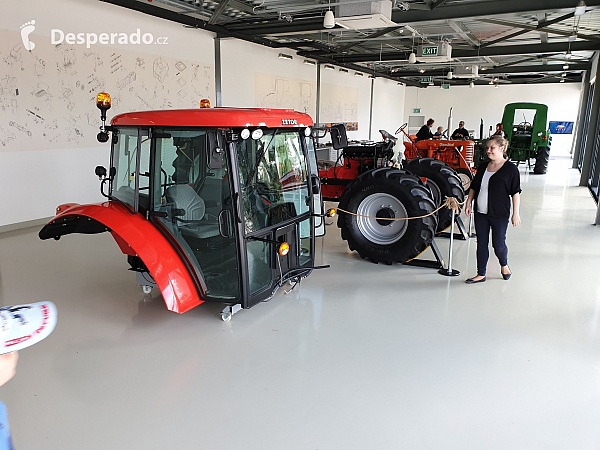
x: 416, y: 110
x: 445, y: 86
x: 430, y: 51
x: 425, y: 79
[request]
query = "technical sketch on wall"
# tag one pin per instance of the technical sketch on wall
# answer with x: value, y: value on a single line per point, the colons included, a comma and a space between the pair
x: 47, y: 96
x: 339, y: 104
x: 281, y: 92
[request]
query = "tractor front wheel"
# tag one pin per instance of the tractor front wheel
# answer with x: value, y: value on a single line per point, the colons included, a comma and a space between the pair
x: 381, y: 194
x: 541, y: 160
x: 466, y: 177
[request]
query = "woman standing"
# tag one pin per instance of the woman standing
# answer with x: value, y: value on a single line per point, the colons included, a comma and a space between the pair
x: 497, y: 182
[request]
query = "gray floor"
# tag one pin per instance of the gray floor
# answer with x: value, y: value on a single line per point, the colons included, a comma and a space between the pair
x: 359, y: 356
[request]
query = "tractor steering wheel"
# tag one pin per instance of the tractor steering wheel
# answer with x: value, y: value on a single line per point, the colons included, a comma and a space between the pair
x: 401, y: 128
x: 525, y: 124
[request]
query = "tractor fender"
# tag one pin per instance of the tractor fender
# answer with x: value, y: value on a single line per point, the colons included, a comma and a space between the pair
x: 134, y: 235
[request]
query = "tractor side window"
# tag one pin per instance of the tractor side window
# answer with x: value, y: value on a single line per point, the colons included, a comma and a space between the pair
x: 124, y: 161
x: 273, y: 178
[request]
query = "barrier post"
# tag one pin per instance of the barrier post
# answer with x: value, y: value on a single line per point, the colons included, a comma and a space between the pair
x: 449, y: 272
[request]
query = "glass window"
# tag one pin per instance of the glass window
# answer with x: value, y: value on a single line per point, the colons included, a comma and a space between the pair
x: 273, y: 179
x: 125, y: 161
x: 194, y: 204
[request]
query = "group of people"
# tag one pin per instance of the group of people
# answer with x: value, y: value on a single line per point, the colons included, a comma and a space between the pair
x: 459, y: 134
x: 495, y: 188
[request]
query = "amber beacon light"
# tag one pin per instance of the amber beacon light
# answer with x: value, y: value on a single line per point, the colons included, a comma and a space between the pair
x: 205, y: 103
x: 103, y: 100
x: 284, y: 249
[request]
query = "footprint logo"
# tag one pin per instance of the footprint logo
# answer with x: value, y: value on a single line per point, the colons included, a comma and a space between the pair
x: 26, y: 30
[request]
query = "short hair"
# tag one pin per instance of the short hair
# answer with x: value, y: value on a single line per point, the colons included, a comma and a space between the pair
x: 430, y: 122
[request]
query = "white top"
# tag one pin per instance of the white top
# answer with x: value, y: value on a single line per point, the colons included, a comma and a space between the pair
x: 482, y: 198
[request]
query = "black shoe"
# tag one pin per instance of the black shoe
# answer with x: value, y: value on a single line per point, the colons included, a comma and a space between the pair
x: 472, y: 281
x: 506, y: 276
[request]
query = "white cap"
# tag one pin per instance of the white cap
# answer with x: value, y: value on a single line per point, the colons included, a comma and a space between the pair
x: 24, y: 325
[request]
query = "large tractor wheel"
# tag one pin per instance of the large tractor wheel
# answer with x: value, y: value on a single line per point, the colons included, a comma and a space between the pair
x: 466, y: 177
x: 387, y: 193
x: 541, y: 160
x: 445, y: 178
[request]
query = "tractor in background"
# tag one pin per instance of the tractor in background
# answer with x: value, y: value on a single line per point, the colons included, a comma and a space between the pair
x: 371, y: 191
x: 530, y: 137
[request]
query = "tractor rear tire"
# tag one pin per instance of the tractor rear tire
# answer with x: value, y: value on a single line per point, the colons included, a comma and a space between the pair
x: 445, y: 177
x: 541, y: 160
x: 387, y: 193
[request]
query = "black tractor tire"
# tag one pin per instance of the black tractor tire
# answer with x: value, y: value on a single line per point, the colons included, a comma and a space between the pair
x: 466, y: 177
x: 541, y: 160
x: 445, y: 177
x: 387, y: 193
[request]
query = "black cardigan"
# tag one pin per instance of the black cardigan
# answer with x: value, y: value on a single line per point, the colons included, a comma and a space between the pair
x: 504, y: 183
x: 424, y: 133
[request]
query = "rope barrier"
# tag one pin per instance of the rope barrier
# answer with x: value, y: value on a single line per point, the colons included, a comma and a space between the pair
x: 451, y: 203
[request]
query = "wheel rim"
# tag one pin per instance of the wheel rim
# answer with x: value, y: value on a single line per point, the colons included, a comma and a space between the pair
x: 465, y: 180
x: 382, y: 206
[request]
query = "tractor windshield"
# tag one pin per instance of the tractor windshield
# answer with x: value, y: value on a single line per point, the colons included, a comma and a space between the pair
x: 273, y: 178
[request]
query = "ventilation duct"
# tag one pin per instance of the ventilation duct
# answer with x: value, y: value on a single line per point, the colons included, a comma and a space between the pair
x: 365, y: 15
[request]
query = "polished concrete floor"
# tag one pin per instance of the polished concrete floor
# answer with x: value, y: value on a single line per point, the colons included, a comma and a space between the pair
x: 360, y: 356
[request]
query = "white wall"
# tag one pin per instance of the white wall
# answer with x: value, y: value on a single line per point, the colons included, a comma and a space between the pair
x: 42, y: 169
x: 388, y: 106
x: 487, y: 102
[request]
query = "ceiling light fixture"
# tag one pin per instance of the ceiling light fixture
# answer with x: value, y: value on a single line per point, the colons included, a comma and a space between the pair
x: 328, y: 67
x: 564, y: 74
x: 358, y: 74
x: 308, y: 62
x: 566, y: 66
x: 562, y: 80
x: 471, y: 85
x: 449, y: 74
x: 284, y: 56
x: 329, y: 19
x: 412, y: 58
x: 496, y: 85
x: 580, y: 8
x: 344, y: 70
x: 372, y: 76
x: 421, y: 70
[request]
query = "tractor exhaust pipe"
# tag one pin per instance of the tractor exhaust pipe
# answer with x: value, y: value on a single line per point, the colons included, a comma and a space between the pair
x: 449, y: 123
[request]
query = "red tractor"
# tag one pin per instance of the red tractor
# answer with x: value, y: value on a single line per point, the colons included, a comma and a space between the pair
x: 372, y: 192
x: 458, y: 154
x: 214, y: 204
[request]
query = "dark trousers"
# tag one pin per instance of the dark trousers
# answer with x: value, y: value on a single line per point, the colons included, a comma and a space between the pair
x: 498, y: 225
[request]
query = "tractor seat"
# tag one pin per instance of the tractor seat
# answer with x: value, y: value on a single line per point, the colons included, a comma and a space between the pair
x: 194, y: 221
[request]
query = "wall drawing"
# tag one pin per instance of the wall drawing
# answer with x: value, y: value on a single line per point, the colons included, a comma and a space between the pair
x: 47, y: 96
x: 281, y: 92
x: 338, y: 104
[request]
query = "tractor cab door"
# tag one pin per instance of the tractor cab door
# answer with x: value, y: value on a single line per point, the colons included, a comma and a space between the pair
x: 193, y: 206
x: 276, y: 206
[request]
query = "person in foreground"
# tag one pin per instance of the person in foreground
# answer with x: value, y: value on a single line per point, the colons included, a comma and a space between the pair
x: 20, y: 327
x: 496, y: 183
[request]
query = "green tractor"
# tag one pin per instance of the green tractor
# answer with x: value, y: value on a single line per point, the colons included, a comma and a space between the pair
x: 526, y: 128
x: 527, y: 133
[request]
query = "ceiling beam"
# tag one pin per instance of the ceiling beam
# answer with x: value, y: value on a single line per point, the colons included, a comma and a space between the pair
x: 514, y: 69
x: 377, y: 34
x: 464, y: 32
x: 218, y: 11
x: 501, y: 50
x: 544, y: 26
x: 463, y: 10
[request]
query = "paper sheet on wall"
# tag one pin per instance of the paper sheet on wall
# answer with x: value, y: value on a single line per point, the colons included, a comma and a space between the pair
x: 47, y: 96
x: 339, y: 104
x: 280, y: 92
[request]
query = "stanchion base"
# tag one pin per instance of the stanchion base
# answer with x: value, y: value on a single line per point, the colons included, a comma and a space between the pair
x: 449, y: 273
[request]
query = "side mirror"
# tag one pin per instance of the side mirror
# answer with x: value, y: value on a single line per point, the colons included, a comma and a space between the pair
x: 100, y: 171
x: 339, y: 139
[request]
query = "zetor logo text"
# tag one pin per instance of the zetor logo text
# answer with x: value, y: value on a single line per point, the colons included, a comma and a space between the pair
x: 89, y: 39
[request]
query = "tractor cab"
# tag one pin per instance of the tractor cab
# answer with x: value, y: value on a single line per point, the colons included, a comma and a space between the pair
x: 214, y: 204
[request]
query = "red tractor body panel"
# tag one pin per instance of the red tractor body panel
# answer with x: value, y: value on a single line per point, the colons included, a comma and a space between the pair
x: 458, y: 154
x: 137, y: 236
x: 215, y: 117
